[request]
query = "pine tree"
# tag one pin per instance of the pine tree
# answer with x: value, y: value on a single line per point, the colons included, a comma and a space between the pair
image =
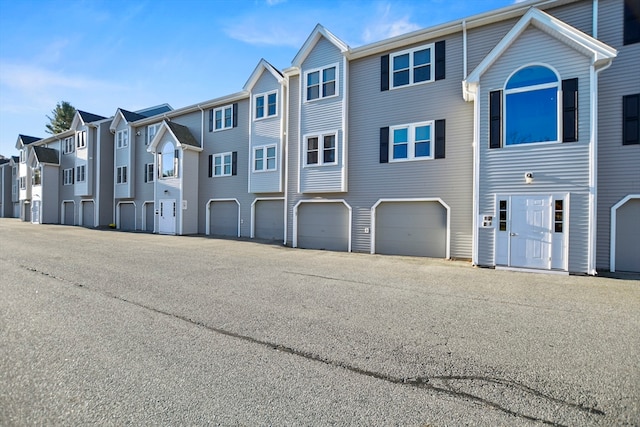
x: 62, y: 117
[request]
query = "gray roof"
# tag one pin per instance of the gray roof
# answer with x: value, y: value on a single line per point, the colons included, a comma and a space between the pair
x: 3, y: 161
x: 46, y: 155
x: 130, y: 116
x: 16, y: 159
x: 183, y: 134
x: 26, y: 140
x: 154, y: 111
x: 88, y: 117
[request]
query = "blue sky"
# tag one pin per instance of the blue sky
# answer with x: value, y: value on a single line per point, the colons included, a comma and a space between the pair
x: 101, y: 55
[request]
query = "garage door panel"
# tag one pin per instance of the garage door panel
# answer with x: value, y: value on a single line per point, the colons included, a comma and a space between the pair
x: 68, y: 213
x: 127, y: 217
x: 224, y: 219
x: 88, y: 214
x: 149, y: 217
x: 628, y: 237
x: 411, y: 228
x: 323, y: 226
x: 269, y: 219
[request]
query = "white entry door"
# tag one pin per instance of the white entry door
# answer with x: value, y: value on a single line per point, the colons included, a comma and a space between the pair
x: 167, y: 217
x: 530, y: 234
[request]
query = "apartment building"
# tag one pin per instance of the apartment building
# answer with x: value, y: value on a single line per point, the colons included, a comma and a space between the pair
x: 510, y: 138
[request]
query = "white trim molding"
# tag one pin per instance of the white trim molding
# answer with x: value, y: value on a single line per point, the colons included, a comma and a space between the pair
x: 253, y: 212
x: 208, y: 214
x: 295, y: 218
x: 612, y: 236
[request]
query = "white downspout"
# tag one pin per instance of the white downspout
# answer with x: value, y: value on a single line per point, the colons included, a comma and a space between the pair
x: 285, y: 151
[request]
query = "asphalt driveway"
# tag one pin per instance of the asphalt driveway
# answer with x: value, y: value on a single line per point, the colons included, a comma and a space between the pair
x: 111, y: 328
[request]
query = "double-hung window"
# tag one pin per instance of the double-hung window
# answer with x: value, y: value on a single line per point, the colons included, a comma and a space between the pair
x: 631, y: 119
x: 23, y: 183
x: 67, y: 176
x: 151, y: 132
x: 121, y: 175
x: 412, y: 66
x: 36, y: 178
x: 411, y: 142
x: 23, y: 155
x: 264, y: 158
x: 168, y: 160
x: 223, y: 118
x: 148, y: 173
x: 81, y: 139
x: 122, y: 138
x: 80, y: 173
x: 320, y: 150
x: 322, y: 82
x: 68, y: 145
x: 266, y: 105
x: 222, y: 164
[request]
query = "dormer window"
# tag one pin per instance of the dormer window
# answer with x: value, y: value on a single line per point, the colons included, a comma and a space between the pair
x: 122, y: 138
x: 151, y: 132
x: 81, y: 139
x: 321, y: 83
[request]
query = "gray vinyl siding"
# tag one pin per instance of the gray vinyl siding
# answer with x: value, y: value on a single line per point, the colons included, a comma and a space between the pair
x: 85, y: 157
x: 557, y: 168
x: 481, y: 40
x: 123, y: 157
x: 189, y: 176
x: 104, y: 182
x: 266, y: 132
x: 6, y: 207
x: 143, y: 190
x: 291, y: 178
x: 579, y: 14
x: 227, y: 187
x: 322, y: 116
x: 618, y: 165
x: 448, y: 179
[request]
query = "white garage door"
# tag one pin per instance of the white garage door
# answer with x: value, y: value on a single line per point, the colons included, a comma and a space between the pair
x: 411, y: 228
x: 323, y: 226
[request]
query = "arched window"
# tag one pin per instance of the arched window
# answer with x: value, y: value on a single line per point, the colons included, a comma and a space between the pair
x: 531, y: 106
x: 168, y: 161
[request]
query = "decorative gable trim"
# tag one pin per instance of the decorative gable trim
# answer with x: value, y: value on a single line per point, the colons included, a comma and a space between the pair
x: 318, y: 32
x: 181, y: 135
x: 257, y: 73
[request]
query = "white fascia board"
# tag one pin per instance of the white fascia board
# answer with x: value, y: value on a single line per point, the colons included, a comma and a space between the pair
x: 257, y: 72
x: 238, y: 96
x: 309, y: 44
x: 117, y: 117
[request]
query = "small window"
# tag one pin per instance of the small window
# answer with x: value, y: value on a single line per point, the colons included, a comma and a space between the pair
x: 222, y: 164
x: 148, y: 173
x: 411, y: 142
x: 321, y: 150
x: 81, y: 139
x: 223, y: 117
x: 36, y: 178
x: 67, y: 177
x: 151, y: 132
x: 23, y: 155
x: 531, y: 106
x: 264, y: 158
x: 122, y: 138
x: 502, y: 215
x: 631, y: 21
x: 558, y: 217
x: 80, y: 173
x: 321, y: 83
x: 23, y: 183
x: 121, y: 175
x: 68, y: 145
x: 631, y: 119
x: 412, y: 66
x: 168, y: 161
x: 266, y: 105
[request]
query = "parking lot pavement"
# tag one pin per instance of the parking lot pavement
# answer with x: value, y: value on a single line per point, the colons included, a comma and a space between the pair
x: 105, y: 327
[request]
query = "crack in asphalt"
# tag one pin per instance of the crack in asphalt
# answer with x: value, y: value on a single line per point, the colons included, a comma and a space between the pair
x: 425, y: 383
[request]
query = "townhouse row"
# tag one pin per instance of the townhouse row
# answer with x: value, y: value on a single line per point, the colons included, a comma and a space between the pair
x: 510, y: 138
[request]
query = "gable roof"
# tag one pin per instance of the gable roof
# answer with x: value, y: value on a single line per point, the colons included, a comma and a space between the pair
x: 154, y: 111
x: 600, y: 53
x: 83, y: 118
x: 179, y: 133
x: 4, y: 160
x: 318, y: 32
x: 25, y: 140
x: 45, y: 155
x: 257, y: 72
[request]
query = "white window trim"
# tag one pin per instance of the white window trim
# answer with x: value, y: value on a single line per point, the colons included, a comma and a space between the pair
x: 23, y: 155
x: 264, y: 158
x: 411, y: 143
x: 68, y: 145
x: 121, y: 172
x: 149, y: 173
x: 505, y: 92
x: 320, y: 137
x: 156, y: 127
x: 430, y: 46
x: 121, y: 142
x: 23, y: 182
x: 266, y: 114
x: 305, y: 86
x: 222, y: 156
x: 84, y: 173
x: 67, y: 176
x: 222, y: 109
x: 81, y: 139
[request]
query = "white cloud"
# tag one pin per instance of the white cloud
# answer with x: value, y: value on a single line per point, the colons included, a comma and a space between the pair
x: 32, y: 79
x: 274, y: 2
x: 254, y: 32
x: 386, y: 25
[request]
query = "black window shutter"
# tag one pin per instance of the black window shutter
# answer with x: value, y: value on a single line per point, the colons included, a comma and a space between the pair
x: 631, y: 22
x: 495, y: 119
x: 235, y: 115
x: 384, y: 72
x: 210, y: 165
x: 570, y: 110
x: 211, y: 120
x: 384, y: 145
x: 146, y: 172
x: 440, y: 60
x: 631, y: 119
x: 440, y: 137
x: 234, y: 163
x: 72, y: 177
